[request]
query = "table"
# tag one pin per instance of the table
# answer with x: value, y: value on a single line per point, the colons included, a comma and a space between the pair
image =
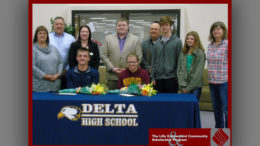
x: 159, y: 111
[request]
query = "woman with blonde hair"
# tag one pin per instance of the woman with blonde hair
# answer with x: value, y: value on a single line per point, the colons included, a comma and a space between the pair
x: 191, y: 65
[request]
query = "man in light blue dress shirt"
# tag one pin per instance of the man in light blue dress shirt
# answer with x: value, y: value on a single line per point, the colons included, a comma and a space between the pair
x: 62, y: 41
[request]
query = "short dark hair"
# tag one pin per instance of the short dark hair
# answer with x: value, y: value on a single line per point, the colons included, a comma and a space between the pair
x: 83, y: 50
x: 41, y: 28
x: 215, y: 25
x: 123, y: 19
x: 89, y: 38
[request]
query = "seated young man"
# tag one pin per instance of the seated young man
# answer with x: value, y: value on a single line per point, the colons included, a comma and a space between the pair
x: 133, y: 73
x: 82, y: 74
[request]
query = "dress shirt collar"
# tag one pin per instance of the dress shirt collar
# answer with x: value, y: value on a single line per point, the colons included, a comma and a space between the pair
x: 123, y: 37
x: 56, y: 35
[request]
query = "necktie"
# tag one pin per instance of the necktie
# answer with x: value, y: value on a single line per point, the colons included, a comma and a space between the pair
x: 148, y: 54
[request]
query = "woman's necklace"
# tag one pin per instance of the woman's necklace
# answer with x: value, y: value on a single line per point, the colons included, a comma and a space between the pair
x: 85, y: 45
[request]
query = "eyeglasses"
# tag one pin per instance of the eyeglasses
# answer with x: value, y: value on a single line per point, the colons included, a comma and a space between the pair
x: 133, y: 62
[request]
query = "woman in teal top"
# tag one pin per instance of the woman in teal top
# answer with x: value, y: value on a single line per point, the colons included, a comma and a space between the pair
x: 191, y: 65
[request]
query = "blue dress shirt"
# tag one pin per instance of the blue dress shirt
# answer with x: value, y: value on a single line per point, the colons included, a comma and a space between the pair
x: 62, y: 43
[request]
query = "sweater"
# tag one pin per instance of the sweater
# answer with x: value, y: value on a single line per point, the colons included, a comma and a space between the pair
x: 165, y: 58
x: 75, y: 78
x: 126, y: 77
x: 46, y: 61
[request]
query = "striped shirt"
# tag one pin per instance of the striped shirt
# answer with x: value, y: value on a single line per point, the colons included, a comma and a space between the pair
x: 217, y: 57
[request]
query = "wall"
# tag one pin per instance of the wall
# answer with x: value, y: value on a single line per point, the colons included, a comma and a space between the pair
x: 201, y: 17
x: 198, y: 17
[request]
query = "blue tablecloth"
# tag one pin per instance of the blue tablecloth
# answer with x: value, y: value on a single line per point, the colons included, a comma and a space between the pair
x: 159, y: 111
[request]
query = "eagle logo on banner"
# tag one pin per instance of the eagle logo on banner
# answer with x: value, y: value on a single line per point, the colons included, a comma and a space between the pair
x: 70, y: 112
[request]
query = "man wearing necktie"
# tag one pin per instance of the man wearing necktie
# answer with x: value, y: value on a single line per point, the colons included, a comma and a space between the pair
x: 148, y: 46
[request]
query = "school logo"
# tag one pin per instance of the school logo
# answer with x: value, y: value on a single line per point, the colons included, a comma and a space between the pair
x: 70, y: 112
x: 220, y: 137
x: 101, y: 114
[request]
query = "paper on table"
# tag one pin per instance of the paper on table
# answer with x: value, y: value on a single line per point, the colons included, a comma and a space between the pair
x: 67, y: 93
x: 128, y: 95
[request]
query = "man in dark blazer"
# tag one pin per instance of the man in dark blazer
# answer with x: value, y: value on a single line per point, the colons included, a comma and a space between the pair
x: 148, y: 46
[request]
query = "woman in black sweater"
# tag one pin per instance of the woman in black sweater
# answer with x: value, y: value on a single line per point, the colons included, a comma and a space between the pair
x: 84, y: 41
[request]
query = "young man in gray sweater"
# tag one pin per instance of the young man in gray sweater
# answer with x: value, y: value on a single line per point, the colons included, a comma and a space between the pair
x: 165, y: 58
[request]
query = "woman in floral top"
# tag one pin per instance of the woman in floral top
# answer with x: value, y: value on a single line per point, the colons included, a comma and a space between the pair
x: 217, y: 57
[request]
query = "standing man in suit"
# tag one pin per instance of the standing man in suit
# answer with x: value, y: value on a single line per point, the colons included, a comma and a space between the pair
x: 62, y: 41
x: 115, y: 50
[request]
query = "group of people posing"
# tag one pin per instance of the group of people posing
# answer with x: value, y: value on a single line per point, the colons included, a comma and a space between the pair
x: 60, y: 61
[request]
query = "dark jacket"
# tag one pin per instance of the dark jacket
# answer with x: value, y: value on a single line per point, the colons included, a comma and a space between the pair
x: 165, y: 58
x: 94, y: 55
x: 148, y: 44
x: 194, y: 78
x: 76, y: 79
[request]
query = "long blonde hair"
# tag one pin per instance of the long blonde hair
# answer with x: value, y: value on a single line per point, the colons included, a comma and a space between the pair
x: 197, y: 43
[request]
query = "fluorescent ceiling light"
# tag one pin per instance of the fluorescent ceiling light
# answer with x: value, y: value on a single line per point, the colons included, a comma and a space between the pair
x: 144, y: 22
x: 98, y: 23
x: 99, y: 27
x: 109, y: 20
x: 98, y: 18
x: 138, y: 27
x: 137, y: 20
x: 111, y: 24
x: 140, y: 14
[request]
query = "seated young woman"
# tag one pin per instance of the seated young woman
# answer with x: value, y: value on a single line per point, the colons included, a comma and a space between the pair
x: 133, y: 73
